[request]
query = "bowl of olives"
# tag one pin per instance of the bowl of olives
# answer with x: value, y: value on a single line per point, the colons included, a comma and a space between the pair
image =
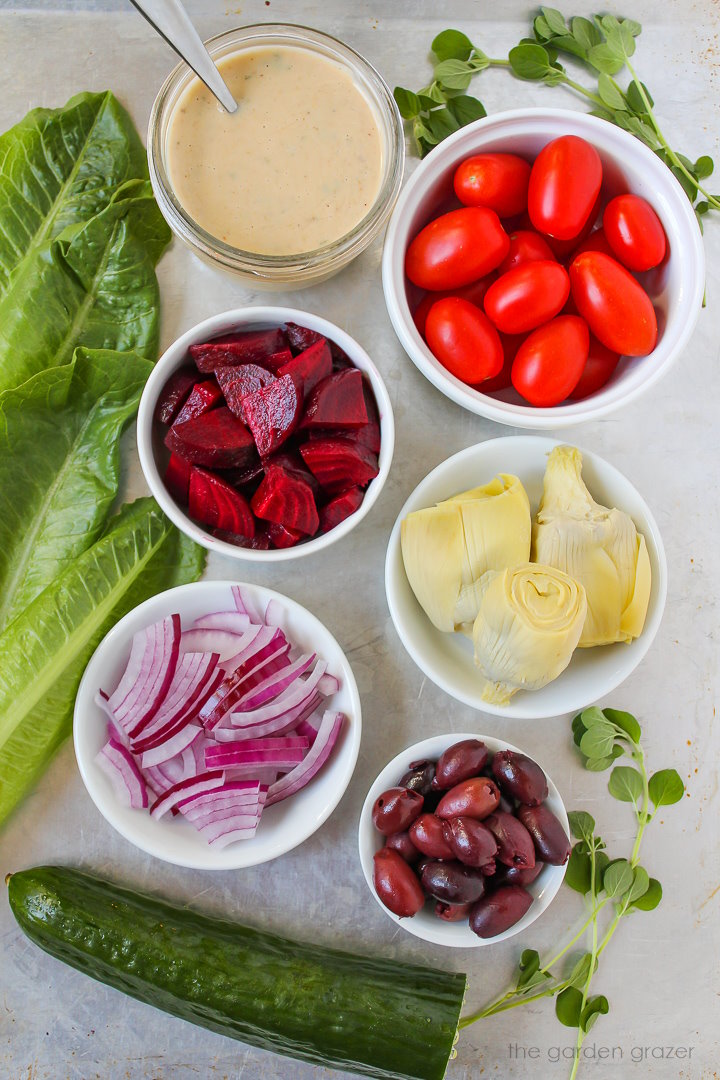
x: 464, y: 840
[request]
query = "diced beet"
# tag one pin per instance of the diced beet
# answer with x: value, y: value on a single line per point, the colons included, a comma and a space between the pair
x: 247, y: 476
x: 341, y: 360
x: 283, y: 537
x: 260, y: 541
x: 237, y: 382
x: 217, y: 439
x: 339, y: 508
x: 273, y: 413
x: 337, y: 401
x: 339, y: 463
x: 290, y: 460
x: 216, y: 504
x: 248, y: 347
x: 174, y: 394
x: 287, y: 500
x: 203, y: 397
x: 276, y: 360
x: 301, y: 337
x: 177, y: 477
x: 310, y: 366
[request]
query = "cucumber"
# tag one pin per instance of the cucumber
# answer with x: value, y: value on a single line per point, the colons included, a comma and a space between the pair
x: 378, y: 1017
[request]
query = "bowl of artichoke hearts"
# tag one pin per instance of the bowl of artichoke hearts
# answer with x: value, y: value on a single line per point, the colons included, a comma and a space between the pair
x: 526, y: 578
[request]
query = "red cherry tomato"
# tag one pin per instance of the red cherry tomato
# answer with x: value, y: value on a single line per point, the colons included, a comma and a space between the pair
x: 527, y: 296
x: 615, y: 306
x: 634, y: 232
x: 599, y: 367
x: 596, y: 241
x: 464, y: 340
x: 564, y: 184
x: 499, y: 181
x: 549, y: 363
x: 475, y: 293
x: 510, y: 344
x: 456, y: 249
x: 525, y: 246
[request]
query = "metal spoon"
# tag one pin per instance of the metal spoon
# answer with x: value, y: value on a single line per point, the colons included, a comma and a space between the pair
x: 172, y: 22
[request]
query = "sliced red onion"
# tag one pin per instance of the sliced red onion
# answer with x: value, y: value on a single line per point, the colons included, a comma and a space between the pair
x: 151, y: 666
x: 231, y: 789
x: 244, y: 603
x: 304, y: 727
x: 295, y: 695
x: 275, y: 684
x: 253, y: 641
x: 199, y: 678
x: 232, y: 621
x: 328, y: 685
x: 274, y: 613
x: 176, y: 744
x: 266, y: 774
x: 229, y: 732
x: 204, y: 782
x: 225, y: 643
x: 119, y: 766
x: 221, y: 833
x: 244, y: 678
x: 283, y: 753
x: 316, y: 757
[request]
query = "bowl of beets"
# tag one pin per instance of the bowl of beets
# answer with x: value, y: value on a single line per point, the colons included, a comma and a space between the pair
x: 265, y: 433
x: 463, y: 840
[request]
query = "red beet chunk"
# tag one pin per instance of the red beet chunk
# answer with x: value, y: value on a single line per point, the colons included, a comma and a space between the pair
x: 216, y: 439
x: 287, y: 500
x: 276, y: 360
x: 310, y: 366
x: 177, y: 477
x: 292, y: 463
x: 260, y: 541
x: 204, y: 396
x: 337, y: 401
x: 237, y: 382
x: 273, y: 413
x: 301, y: 337
x: 339, y: 508
x: 283, y: 537
x: 174, y: 394
x: 339, y: 463
x: 249, y: 347
x: 215, y: 503
x: 247, y: 476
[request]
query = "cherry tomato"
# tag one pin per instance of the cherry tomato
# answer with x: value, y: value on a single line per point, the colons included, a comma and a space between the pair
x: 596, y: 241
x: 599, y: 367
x: 549, y: 363
x: 634, y: 232
x: 475, y: 293
x: 527, y: 296
x: 464, y: 340
x: 525, y: 246
x: 456, y: 249
x: 615, y: 306
x: 499, y: 181
x: 510, y: 343
x: 564, y: 184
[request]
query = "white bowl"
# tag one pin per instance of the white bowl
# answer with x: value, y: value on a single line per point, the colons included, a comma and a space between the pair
x: 425, y: 924
x: 447, y: 659
x: 676, y: 286
x: 282, y: 826
x: 150, y: 435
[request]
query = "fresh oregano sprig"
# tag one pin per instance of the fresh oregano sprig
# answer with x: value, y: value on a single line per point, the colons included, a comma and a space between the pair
x: 601, y: 46
x: 613, y: 889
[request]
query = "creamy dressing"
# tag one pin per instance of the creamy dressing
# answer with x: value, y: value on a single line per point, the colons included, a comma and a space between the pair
x: 296, y: 167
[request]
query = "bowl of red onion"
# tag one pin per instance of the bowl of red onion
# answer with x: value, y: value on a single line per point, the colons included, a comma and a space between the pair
x: 217, y: 725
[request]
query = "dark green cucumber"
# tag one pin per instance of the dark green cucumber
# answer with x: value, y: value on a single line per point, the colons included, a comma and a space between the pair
x: 376, y: 1017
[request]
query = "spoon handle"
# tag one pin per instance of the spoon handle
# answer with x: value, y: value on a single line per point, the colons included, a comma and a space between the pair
x: 172, y: 22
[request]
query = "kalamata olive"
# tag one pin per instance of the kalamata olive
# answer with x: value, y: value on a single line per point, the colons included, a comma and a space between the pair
x: 452, y: 912
x: 520, y: 875
x: 549, y: 837
x: 475, y: 798
x: 421, y: 864
x: 419, y: 776
x: 515, y: 845
x: 471, y: 841
x: 453, y: 882
x: 489, y: 868
x: 428, y: 836
x: 459, y: 762
x: 401, y: 842
x: 396, y: 884
x: 505, y: 805
x: 396, y: 809
x: 499, y: 910
x: 520, y: 777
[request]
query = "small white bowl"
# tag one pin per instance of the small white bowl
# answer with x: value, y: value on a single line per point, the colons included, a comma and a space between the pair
x: 282, y: 826
x: 425, y: 924
x: 447, y: 659
x: 151, y: 449
x: 676, y: 287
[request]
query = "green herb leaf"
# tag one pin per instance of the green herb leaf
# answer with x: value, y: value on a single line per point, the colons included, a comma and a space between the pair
x: 618, y: 878
x: 530, y: 62
x: 407, y: 102
x: 585, y: 32
x: 555, y: 20
x: 582, y: 825
x: 578, y: 729
x: 599, y: 764
x: 602, y: 861
x: 529, y: 965
x: 466, y: 109
x: 568, y: 44
x: 541, y: 28
x: 640, y: 885
x: 441, y: 123
x: 625, y: 784
x: 578, y: 975
x: 598, y: 740
x: 578, y: 872
x: 666, y: 788
x: 639, y: 128
x: 704, y: 166
x: 592, y: 715
x: 606, y: 59
x: 634, y: 97
x: 454, y: 74
x: 568, y: 1006
x: 596, y: 1006
x: 611, y: 93
x: 452, y: 45
x: 650, y: 898
x: 626, y: 721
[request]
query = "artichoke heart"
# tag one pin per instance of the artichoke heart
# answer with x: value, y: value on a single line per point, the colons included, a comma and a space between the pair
x: 598, y: 546
x: 448, y: 547
x: 528, y: 625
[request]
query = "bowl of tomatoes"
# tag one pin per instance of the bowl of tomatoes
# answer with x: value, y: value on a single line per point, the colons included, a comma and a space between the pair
x: 543, y: 268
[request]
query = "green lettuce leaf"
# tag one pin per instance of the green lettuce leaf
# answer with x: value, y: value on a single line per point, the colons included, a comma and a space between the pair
x: 43, y: 653
x: 60, y: 466
x: 59, y: 167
